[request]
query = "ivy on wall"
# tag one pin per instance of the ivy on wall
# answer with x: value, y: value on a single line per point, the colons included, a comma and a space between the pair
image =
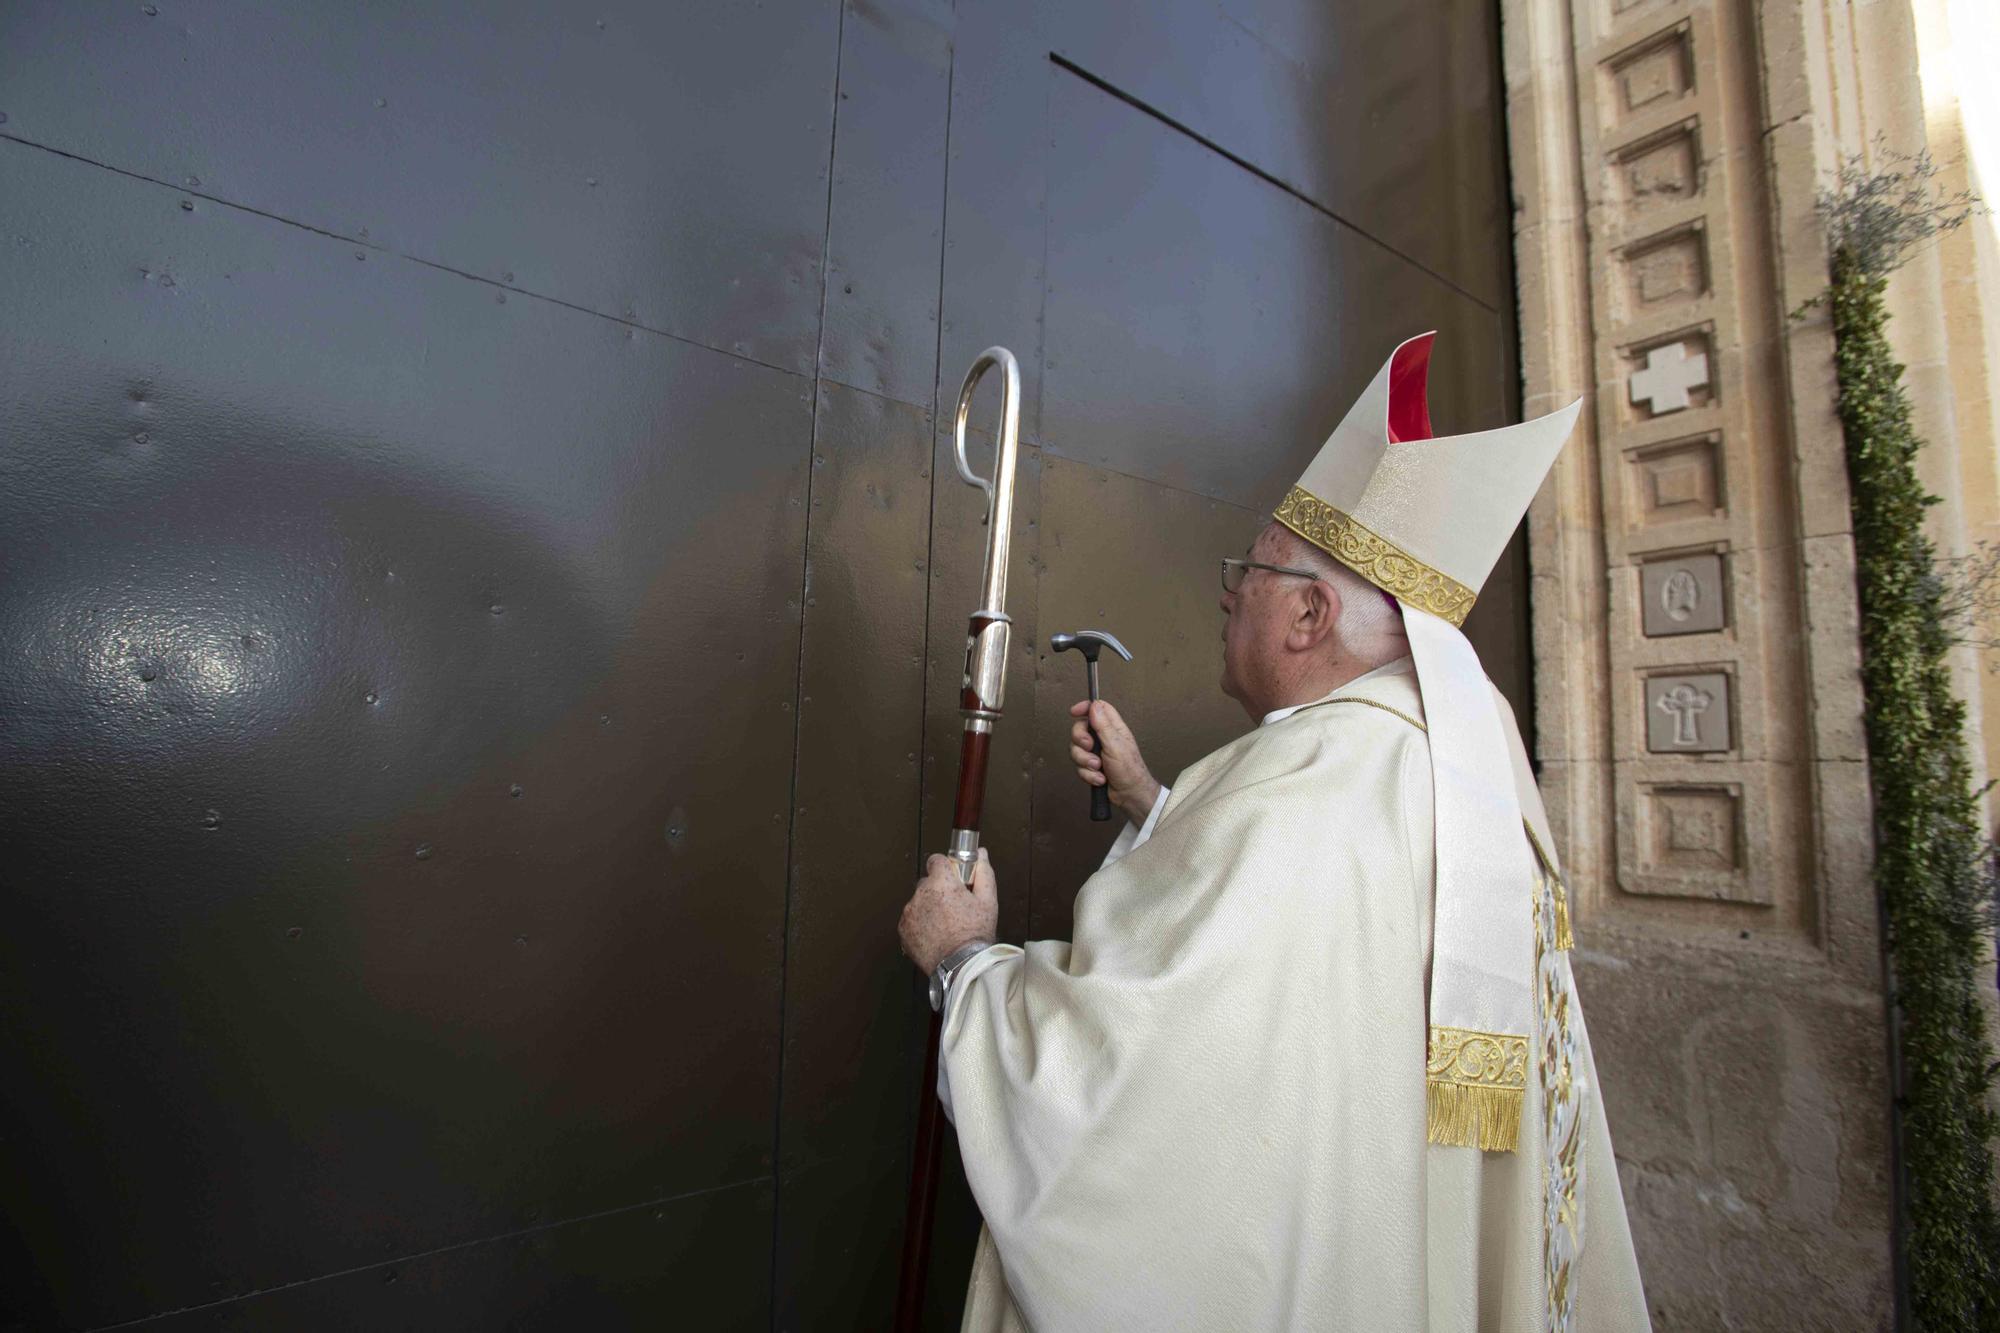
x: 1934, y: 865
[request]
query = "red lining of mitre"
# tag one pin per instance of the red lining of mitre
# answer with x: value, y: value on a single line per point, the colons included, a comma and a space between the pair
x: 1409, y: 378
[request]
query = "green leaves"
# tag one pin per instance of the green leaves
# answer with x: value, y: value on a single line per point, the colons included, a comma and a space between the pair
x: 1934, y: 866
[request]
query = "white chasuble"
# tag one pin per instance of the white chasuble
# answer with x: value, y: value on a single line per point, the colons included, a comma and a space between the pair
x: 1207, y: 1112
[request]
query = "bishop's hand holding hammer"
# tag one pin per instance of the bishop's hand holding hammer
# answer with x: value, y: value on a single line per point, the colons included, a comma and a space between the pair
x: 1314, y: 1058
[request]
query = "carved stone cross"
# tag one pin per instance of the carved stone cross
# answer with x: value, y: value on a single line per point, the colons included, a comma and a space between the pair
x: 1684, y: 703
x: 1670, y: 372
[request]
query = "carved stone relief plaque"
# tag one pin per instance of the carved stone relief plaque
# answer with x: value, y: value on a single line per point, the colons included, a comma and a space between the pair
x: 1688, y: 714
x: 1681, y: 595
x: 1675, y: 376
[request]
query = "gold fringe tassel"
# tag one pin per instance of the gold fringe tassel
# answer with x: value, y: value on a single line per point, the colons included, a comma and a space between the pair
x: 1467, y: 1115
x: 1564, y: 940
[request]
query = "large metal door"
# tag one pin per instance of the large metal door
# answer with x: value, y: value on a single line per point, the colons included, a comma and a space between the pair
x: 482, y: 606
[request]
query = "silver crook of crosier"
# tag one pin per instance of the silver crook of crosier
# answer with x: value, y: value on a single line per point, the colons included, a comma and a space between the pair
x: 1003, y: 462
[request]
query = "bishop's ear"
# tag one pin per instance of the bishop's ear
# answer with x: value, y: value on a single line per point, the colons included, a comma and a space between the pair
x: 1318, y: 613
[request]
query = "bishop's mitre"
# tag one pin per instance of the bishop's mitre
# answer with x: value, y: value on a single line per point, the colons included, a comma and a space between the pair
x: 1424, y: 519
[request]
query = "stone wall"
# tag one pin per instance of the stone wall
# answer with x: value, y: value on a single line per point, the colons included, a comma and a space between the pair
x: 1695, y: 630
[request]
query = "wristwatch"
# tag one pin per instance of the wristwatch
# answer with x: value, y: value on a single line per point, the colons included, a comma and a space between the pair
x: 946, y: 970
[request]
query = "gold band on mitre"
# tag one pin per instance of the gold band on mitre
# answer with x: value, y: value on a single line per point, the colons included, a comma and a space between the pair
x: 1475, y: 1084
x: 1375, y: 558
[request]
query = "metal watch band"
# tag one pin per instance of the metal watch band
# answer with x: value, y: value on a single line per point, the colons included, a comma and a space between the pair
x: 957, y: 958
x: 962, y: 955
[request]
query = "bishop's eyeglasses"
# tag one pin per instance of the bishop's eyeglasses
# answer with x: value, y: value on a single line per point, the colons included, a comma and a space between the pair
x: 1235, y: 570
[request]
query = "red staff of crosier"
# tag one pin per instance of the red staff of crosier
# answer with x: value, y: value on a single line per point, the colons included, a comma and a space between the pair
x: 980, y: 699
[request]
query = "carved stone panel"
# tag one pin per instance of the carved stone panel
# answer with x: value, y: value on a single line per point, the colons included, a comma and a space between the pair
x: 1663, y: 269
x: 1681, y: 595
x: 1675, y: 482
x: 1663, y: 169
x: 1694, y: 843
x: 1692, y: 829
x: 1688, y: 714
x: 1658, y: 72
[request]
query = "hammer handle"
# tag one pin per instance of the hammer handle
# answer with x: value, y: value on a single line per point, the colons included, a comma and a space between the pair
x: 1100, y: 797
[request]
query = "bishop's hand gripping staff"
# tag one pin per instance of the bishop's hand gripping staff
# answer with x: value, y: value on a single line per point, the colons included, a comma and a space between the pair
x: 980, y: 698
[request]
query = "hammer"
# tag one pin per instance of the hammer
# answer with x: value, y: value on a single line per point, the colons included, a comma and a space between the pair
x: 1089, y: 642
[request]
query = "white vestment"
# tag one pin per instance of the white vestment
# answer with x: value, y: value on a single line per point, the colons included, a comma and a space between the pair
x: 1208, y: 1110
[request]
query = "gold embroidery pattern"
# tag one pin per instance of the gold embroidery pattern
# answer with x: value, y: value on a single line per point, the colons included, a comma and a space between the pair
x: 1474, y: 1085
x: 1375, y: 558
x: 1479, y: 1059
x: 1559, y: 1064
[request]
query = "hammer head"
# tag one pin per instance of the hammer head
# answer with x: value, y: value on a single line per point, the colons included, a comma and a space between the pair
x: 1089, y: 642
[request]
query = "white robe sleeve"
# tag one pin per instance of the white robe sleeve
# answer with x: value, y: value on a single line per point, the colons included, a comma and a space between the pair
x: 1132, y: 839
x: 983, y: 961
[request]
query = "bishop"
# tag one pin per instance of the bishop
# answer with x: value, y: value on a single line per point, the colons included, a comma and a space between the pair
x: 1315, y: 1057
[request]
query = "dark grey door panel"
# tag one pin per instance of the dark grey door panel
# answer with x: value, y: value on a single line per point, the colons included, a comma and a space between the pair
x: 482, y: 592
